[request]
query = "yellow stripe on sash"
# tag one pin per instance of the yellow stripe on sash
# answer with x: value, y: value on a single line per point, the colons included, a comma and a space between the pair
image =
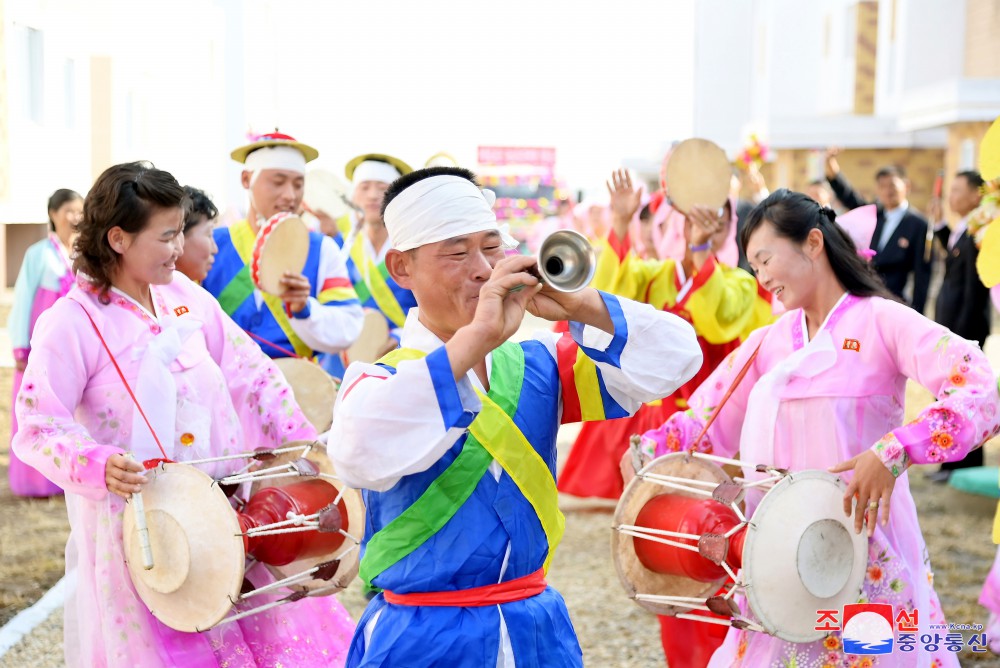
x: 502, y: 438
x: 377, y: 286
x: 587, y: 388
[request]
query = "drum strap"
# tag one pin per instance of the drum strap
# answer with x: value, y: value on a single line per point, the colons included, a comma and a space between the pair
x: 127, y: 386
x: 492, y: 435
x: 725, y: 397
x: 374, y: 283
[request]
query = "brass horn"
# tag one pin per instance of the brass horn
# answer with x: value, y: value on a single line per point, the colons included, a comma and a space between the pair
x: 566, y: 261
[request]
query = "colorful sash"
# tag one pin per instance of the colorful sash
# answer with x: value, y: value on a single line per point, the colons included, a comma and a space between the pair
x: 374, y: 283
x: 241, y: 288
x: 492, y: 435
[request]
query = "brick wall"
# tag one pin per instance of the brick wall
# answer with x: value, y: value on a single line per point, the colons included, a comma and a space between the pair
x: 982, y: 48
x: 792, y: 169
x: 864, y: 58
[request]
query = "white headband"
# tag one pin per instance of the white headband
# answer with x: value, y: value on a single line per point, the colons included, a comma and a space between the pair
x: 375, y: 170
x: 276, y: 157
x: 439, y: 208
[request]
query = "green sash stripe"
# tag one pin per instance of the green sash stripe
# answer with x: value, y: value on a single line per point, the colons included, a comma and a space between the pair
x: 442, y: 499
x: 236, y: 291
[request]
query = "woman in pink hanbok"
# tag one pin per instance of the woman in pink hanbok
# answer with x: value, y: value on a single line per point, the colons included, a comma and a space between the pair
x: 46, y: 275
x: 826, y: 391
x: 207, y: 391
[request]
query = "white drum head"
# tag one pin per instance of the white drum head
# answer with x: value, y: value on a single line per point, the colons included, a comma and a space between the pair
x: 373, y: 338
x: 634, y: 576
x: 801, y: 555
x: 197, y: 549
x: 323, y: 191
x: 281, y: 245
x: 349, y: 553
x: 315, y: 390
x: 697, y: 173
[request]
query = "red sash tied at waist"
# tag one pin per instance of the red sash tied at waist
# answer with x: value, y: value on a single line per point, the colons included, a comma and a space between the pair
x: 503, y: 592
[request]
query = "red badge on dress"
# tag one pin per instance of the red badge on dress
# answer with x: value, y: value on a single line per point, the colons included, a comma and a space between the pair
x: 904, y: 242
x: 180, y: 310
x: 852, y: 344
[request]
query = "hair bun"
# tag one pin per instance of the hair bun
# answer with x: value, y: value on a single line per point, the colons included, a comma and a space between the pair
x: 829, y: 213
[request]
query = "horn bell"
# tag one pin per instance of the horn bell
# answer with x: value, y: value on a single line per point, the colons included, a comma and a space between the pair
x: 566, y: 261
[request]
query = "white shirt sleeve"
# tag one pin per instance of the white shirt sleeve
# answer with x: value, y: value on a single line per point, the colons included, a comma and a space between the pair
x: 658, y: 352
x: 390, y: 425
x: 330, y: 327
x: 387, y: 425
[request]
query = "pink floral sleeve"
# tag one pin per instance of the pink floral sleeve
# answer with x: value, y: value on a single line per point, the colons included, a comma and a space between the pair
x: 681, y: 430
x: 967, y: 411
x: 50, y: 439
x: 263, y: 400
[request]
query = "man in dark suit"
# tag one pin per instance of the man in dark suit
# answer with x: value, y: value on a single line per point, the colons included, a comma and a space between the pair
x: 963, y: 305
x: 900, y: 233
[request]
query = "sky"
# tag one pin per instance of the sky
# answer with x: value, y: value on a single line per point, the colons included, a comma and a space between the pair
x: 601, y: 82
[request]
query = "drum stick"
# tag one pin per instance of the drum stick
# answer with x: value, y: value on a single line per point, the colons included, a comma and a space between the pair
x: 140, y: 524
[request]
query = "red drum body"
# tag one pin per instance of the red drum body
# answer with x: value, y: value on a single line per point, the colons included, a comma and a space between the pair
x: 277, y: 504
x: 672, y: 512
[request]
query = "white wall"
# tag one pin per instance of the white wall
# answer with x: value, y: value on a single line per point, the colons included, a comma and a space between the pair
x: 52, y: 149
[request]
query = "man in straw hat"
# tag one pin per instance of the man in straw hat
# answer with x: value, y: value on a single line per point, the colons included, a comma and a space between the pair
x: 367, y: 243
x: 318, y: 310
x: 453, y: 436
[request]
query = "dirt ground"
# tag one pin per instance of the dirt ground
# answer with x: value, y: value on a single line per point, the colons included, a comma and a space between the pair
x: 613, y: 631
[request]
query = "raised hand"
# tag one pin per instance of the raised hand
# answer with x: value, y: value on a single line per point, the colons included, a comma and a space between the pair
x: 703, y: 223
x: 832, y: 166
x: 625, y: 199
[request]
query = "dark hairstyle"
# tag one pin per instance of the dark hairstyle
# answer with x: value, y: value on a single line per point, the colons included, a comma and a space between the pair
x: 973, y: 178
x: 58, y: 198
x: 645, y: 213
x: 407, y: 180
x: 123, y: 196
x: 793, y: 215
x: 890, y: 170
x: 198, y: 205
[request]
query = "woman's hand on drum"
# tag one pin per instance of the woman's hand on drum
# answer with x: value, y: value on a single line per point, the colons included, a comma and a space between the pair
x: 296, y: 294
x: 872, y: 485
x: 123, y: 475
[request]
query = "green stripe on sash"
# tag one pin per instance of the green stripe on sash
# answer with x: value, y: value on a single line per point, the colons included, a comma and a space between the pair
x: 237, y: 291
x: 492, y: 435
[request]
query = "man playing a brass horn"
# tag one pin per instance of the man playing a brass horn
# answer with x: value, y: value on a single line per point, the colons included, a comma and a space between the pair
x: 452, y: 437
x: 318, y: 310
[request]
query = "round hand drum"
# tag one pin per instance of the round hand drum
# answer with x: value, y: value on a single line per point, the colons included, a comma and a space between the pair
x: 282, y: 244
x: 315, y: 390
x: 372, y: 340
x: 697, y: 173
x: 680, y: 532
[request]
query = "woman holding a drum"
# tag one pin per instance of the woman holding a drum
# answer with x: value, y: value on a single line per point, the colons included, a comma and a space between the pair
x: 824, y: 389
x: 137, y: 364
